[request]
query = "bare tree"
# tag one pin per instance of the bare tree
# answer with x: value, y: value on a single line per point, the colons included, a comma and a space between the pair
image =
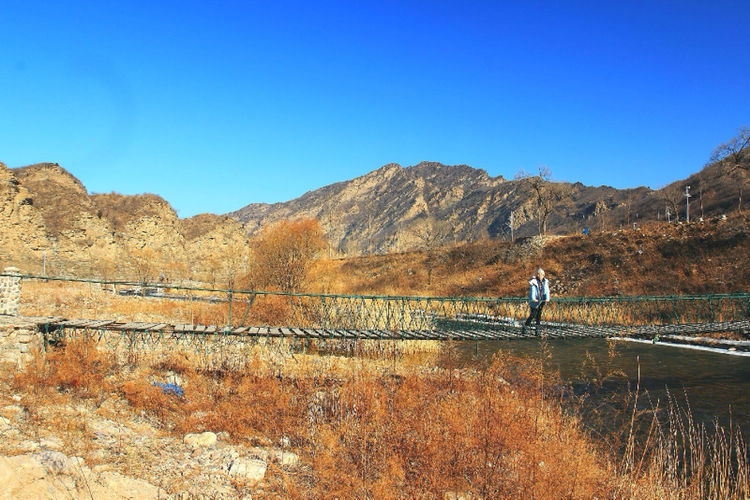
x: 672, y: 197
x: 455, y: 223
x: 233, y: 264
x: 739, y: 177
x: 329, y: 205
x: 734, y: 158
x: 601, y: 209
x: 431, y: 236
x: 513, y: 224
x: 700, y: 184
x: 547, y: 194
x: 143, y: 263
x: 629, y: 205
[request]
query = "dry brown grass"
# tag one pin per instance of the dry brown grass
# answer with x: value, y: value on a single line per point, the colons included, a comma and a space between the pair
x: 391, y: 426
x: 89, y: 300
x: 388, y: 428
x: 370, y: 429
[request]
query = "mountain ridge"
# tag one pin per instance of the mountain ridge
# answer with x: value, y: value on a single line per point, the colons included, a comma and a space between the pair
x: 49, y: 216
x: 384, y: 210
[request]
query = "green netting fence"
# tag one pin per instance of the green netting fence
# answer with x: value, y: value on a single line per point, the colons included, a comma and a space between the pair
x: 462, y: 317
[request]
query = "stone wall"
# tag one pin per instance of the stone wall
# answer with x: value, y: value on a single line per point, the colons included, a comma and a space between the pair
x: 10, y: 292
x: 18, y: 339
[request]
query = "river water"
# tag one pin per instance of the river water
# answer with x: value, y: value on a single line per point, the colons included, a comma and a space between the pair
x: 716, y: 385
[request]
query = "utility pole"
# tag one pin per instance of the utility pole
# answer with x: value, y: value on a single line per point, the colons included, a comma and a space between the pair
x: 687, y: 203
x: 511, y: 223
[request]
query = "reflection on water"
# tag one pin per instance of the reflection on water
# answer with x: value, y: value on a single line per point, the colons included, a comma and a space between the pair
x: 713, y: 382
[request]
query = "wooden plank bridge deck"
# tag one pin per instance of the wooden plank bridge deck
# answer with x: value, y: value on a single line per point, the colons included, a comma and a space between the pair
x: 458, y: 330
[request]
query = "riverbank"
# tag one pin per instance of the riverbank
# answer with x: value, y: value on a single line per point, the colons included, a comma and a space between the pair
x: 274, y: 423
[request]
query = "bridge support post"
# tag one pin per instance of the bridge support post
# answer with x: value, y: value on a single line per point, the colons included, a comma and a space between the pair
x: 10, y: 292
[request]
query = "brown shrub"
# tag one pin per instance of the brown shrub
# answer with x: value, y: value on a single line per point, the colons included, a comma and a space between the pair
x: 79, y: 367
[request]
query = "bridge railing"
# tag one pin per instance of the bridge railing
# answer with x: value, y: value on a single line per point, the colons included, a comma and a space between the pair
x: 425, y: 313
x: 394, y: 313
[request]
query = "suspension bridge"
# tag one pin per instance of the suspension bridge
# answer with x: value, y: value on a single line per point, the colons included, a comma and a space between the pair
x: 371, y: 317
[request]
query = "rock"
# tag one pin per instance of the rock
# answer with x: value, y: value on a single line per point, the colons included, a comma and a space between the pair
x: 57, y: 462
x: 229, y: 453
x: 52, y: 443
x: 28, y: 445
x: 52, y: 475
x: 24, y: 234
x: 13, y: 409
x: 458, y: 495
x: 202, y: 439
x: 118, y: 486
x: 289, y: 459
x: 106, y: 429
x: 22, y: 477
x: 286, y: 458
x: 261, y: 453
x: 248, y: 468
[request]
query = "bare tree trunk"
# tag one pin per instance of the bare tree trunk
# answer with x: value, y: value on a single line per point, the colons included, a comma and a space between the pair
x: 739, y: 200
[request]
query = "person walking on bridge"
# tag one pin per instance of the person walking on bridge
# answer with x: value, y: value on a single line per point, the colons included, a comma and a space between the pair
x: 538, y: 296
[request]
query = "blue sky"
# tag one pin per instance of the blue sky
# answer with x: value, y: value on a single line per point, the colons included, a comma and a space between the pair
x: 214, y: 105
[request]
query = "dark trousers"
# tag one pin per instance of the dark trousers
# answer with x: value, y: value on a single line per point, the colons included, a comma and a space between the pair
x: 536, y: 313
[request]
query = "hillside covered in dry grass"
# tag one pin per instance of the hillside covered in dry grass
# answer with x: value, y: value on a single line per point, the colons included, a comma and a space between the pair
x: 658, y: 258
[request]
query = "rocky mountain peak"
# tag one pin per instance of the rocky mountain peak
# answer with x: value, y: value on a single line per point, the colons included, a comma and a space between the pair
x: 122, y: 209
x: 60, y: 197
x: 383, y: 209
x: 50, y: 172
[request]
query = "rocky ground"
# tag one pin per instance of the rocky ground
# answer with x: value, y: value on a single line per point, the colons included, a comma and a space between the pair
x: 68, y: 450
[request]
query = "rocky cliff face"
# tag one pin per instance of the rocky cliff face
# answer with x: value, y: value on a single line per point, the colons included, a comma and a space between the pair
x: 396, y: 208
x: 23, y: 237
x: 215, y: 243
x: 212, y: 231
x: 144, y: 223
x: 75, y: 230
x: 386, y: 209
x: 49, y: 218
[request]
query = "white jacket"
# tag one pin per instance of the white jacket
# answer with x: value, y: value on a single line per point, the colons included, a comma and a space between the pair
x: 538, y: 294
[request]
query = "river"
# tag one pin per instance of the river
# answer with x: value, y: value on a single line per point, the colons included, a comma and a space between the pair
x: 713, y: 382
